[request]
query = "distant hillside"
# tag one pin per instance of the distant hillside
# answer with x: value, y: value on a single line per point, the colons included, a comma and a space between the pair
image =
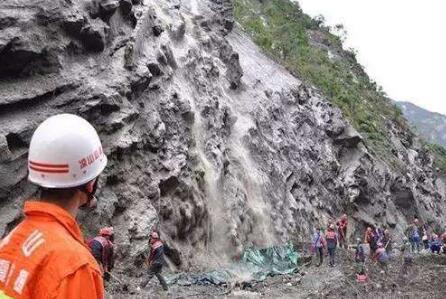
x: 308, y: 49
x: 430, y: 125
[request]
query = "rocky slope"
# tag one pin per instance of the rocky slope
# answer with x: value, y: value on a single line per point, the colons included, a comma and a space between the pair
x: 430, y: 125
x: 208, y: 139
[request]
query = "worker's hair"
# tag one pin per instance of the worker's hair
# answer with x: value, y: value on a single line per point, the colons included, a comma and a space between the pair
x: 59, y: 194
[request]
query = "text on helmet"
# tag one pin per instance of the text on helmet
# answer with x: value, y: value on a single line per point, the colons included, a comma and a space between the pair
x: 91, y: 158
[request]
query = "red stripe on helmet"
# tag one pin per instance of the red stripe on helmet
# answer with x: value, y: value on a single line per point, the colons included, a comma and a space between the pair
x: 49, y: 170
x: 39, y: 164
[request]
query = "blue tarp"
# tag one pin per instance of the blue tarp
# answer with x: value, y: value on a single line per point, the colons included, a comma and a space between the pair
x: 255, y: 264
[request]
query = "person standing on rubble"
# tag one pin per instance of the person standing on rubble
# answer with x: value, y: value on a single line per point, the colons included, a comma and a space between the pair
x: 101, y: 247
x: 382, y: 257
x: 342, y: 231
x: 155, y: 261
x: 332, y: 242
x: 435, y: 244
x: 414, y: 236
x: 360, y: 256
x: 387, y: 241
x: 371, y: 239
x: 318, y: 245
x: 443, y: 241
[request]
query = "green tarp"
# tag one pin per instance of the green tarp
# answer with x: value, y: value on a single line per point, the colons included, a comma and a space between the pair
x: 255, y: 265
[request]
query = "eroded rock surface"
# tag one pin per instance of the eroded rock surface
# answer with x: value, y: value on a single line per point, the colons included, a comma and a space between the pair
x: 207, y: 138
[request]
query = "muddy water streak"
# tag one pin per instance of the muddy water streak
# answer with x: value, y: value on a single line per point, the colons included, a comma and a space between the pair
x: 252, y: 182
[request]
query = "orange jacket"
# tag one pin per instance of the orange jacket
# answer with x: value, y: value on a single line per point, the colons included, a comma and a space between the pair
x: 45, y: 257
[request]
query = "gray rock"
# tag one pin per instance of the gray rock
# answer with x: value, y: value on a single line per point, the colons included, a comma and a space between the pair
x: 73, y: 23
x: 126, y: 6
x: 178, y: 29
x: 93, y: 35
x: 349, y: 138
x: 5, y: 153
x: 208, y: 140
x: 108, y: 7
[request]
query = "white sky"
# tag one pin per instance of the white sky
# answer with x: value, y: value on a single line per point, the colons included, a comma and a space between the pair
x: 401, y: 43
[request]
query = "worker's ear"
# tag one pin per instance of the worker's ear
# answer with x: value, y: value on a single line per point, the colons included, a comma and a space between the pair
x: 90, y: 189
x: 90, y: 186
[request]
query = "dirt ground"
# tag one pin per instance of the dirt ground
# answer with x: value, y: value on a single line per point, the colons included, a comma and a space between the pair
x: 425, y: 278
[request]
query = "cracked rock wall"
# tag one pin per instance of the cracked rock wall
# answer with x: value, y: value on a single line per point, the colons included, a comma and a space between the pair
x: 208, y: 139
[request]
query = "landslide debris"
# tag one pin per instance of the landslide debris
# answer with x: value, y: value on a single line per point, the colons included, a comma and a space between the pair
x: 208, y: 139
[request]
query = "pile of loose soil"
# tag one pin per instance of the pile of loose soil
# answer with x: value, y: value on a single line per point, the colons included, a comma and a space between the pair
x: 424, y: 278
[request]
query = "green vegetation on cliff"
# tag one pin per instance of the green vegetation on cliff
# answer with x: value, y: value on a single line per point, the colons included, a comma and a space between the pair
x: 439, y: 154
x: 306, y: 47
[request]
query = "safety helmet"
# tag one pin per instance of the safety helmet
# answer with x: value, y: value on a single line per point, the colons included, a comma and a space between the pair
x: 106, y: 231
x: 65, y: 152
x: 154, y: 235
x: 380, y: 245
x: 331, y: 226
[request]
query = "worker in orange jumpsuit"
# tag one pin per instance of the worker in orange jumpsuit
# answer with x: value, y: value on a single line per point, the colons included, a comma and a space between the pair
x: 45, y: 256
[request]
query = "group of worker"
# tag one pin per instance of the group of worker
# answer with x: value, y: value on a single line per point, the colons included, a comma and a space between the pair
x: 377, y: 244
x: 420, y: 237
x: 101, y: 247
x: 330, y: 240
x: 46, y: 256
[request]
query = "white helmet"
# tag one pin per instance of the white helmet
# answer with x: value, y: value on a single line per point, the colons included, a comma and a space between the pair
x: 65, y: 152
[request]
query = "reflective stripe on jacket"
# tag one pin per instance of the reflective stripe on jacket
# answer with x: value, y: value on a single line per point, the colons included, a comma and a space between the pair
x: 45, y: 257
x: 156, y: 253
x: 331, y: 238
x: 102, y: 250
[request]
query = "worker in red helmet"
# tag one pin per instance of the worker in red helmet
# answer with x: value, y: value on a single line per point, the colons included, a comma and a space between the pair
x: 102, y: 249
x: 155, y: 260
x: 332, y: 241
x: 342, y: 231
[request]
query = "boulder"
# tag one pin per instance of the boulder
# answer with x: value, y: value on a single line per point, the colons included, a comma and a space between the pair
x: 108, y: 7
x: 93, y: 35
x: 126, y: 6
x: 4, y: 149
x: 350, y: 138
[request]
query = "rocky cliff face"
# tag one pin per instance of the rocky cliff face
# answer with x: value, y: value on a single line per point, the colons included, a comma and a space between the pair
x: 207, y: 138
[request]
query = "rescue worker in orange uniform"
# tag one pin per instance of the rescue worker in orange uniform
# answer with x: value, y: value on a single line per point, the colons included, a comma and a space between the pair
x: 45, y: 256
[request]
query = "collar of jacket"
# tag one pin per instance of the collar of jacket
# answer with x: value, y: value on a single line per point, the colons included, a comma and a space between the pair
x: 156, y: 245
x: 50, y: 212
